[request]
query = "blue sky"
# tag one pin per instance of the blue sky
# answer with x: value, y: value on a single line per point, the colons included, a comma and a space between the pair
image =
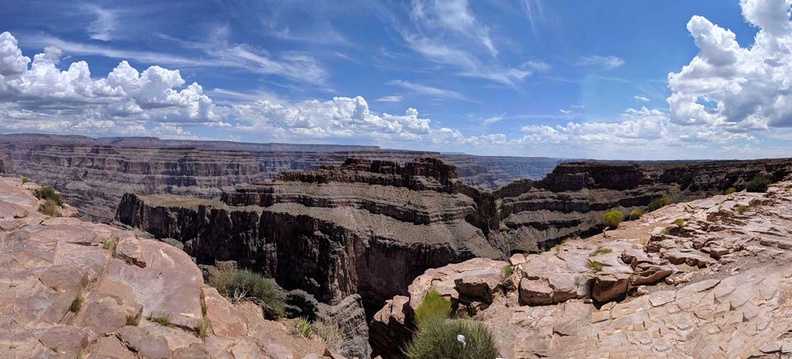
x: 610, y: 79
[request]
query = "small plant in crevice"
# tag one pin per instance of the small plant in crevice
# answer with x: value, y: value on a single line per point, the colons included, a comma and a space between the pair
x: 657, y: 204
x: 741, y: 209
x: 730, y: 190
x: 665, y: 232
x: 25, y: 180
x: 506, y: 271
x: 47, y: 193
x: 205, y: 328
x: 600, y: 251
x: 304, y: 328
x: 132, y: 320
x: 76, y: 304
x: 433, y: 306
x: 50, y: 208
x: 595, y: 265
x: 109, y: 245
x: 330, y: 332
x: 680, y: 222
x: 161, y: 319
x: 636, y: 214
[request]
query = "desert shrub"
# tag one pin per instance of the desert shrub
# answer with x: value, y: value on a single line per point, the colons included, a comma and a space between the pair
x: 331, y: 334
x: 742, y: 209
x: 601, y: 250
x: 161, y: 319
x: 507, y: 271
x: 47, y: 193
x: 25, y: 180
x: 434, y: 306
x: 636, y: 214
x: 665, y: 231
x: 241, y: 284
x: 658, y: 203
x: 680, y: 222
x: 76, y: 304
x: 613, y: 218
x: 595, y: 265
x: 132, y: 320
x: 304, y: 328
x: 50, y: 208
x: 439, y: 339
x: 730, y: 190
x: 205, y: 328
x: 757, y: 185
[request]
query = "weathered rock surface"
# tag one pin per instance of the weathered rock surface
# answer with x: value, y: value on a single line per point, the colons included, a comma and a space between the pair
x: 93, y: 174
x: 72, y: 289
x: 727, y: 298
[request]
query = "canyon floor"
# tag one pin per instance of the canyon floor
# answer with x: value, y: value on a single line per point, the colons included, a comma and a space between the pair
x: 75, y: 289
x: 715, y: 284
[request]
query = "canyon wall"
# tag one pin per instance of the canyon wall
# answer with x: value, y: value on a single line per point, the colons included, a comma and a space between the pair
x: 371, y: 227
x: 93, y: 174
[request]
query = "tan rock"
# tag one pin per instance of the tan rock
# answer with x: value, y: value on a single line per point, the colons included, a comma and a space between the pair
x: 226, y: 320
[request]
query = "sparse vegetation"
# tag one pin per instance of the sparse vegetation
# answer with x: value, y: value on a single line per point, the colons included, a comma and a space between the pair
x: 595, y: 265
x: 304, y: 328
x: 330, y: 332
x: 665, y: 231
x: 559, y: 247
x: 730, y: 190
x: 600, y: 251
x: 434, y: 306
x: 613, y: 218
x: 161, y: 319
x: 241, y: 284
x: 76, y: 304
x: 680, y: 222
x: 25, y: 180
x: 50, y: 208
x: 757, y: 185
x: 658, y: 203
x: 205, y: 328
x: 507, y: 271
x: 109, y: 245
x: 438, y: 339
x: 636, y: 214
x: 49, y: 194
x: 741, y: 209
x: 132, y: 320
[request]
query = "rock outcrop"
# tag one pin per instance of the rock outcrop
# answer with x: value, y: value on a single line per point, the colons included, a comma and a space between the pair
x: 703, y: 279
x: 72, y: 289
x: 93, y: 174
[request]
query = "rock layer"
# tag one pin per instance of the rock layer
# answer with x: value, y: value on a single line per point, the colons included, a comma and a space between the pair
x: 717, y: 286
x: 72, y: 289
x: 93, y: 174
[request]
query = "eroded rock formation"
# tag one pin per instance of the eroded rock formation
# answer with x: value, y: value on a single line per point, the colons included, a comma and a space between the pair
x: 73, y: 289
x: 715, y: 284
x: 93, y: 174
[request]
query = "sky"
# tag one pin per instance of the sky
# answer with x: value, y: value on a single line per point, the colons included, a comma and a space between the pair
x: 602, y: 79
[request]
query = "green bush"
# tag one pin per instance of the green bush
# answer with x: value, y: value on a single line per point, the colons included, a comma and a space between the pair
x: 434, y: 306
x: 742, y: 209
x: 636, y: 214
x: 613, y: 218
x: 658, y: 203
x: 507, y: 271
x: 76, y: 304
x: 304, y: 328
x: 161, y: 319
x: 49, y: 194
x: 243, y: 284
x: 25, y: 180
x: 757, y: 185
x: 680, y: 222
x: 438, y: 339
x: 730, y: 190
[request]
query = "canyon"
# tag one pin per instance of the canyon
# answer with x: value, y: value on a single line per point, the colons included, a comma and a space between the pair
x: 94, y: 173
x: 371, y: 227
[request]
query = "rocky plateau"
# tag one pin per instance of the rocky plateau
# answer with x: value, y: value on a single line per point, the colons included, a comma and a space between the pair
x: 75, y: 289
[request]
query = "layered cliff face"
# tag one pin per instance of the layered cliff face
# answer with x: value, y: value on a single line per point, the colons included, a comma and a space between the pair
x: 93, y: 174
x: 370, y: 227
x: 73, y: 289
x: 703, y: 279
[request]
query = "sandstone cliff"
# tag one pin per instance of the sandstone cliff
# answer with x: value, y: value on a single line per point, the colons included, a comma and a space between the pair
x: 704, y: 279
x: 93, y: 174
x: 73, y: 289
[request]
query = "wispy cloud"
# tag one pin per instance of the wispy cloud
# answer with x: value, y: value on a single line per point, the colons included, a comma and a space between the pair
x: 641, y: 99
x: 494, y: 119
x: 428, y: 90
x: 606, y: 63
x: 103, y: 27
x: 390, y: 99
x: 452, y: 15
x: 534, y: 12
x: 323, y: 35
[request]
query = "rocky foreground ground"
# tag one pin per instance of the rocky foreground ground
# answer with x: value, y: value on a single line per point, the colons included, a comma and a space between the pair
x: 703, y: 279
x: 73, y: 289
